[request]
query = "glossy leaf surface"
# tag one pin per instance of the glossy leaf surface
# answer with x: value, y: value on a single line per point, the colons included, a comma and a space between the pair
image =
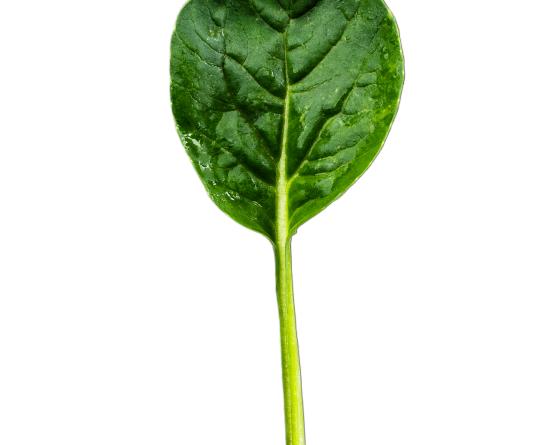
x: 282, y: 105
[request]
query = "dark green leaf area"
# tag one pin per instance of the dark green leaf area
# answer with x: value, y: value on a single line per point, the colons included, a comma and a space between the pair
x: 283, y: 98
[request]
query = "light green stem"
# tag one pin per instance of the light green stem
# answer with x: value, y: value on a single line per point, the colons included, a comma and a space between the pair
x: 291, y: 375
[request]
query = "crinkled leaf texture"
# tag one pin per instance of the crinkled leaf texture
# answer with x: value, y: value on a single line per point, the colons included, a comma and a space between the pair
x: 281, y: 104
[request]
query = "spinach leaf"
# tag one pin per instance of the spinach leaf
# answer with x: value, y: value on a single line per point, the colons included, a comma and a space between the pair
x: 282, y: 105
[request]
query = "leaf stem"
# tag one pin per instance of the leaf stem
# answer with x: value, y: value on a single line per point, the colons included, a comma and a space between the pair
x: 291, y: 374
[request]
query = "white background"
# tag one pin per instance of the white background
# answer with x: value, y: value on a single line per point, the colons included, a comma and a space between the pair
x: 133, y: 312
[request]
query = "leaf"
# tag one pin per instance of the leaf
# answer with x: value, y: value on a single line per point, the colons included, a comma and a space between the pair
x: 281, y: 104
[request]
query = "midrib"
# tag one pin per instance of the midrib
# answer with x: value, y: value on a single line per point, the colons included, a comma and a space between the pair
x: 282, y: 213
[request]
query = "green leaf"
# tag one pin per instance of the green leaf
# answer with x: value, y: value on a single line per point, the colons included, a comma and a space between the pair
x: 283, y: 104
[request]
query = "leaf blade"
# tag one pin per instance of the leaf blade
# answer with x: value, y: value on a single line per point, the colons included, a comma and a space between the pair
x: 278, y: 118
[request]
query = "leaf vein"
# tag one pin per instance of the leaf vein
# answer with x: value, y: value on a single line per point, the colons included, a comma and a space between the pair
x: 250, y: 169
x: 279, y: 96
x: 324, y: 56
x: 264, y: 19
x: 192, y: 50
